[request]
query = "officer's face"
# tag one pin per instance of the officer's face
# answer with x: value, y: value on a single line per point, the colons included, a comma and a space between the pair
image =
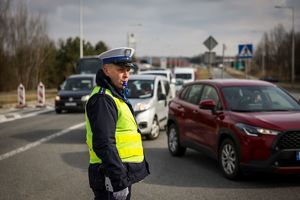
x: 117, y: 74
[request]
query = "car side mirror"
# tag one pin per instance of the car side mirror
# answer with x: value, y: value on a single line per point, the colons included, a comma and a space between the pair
x: 208, y: 104
x: 59, y: 88
x: 162, y: 96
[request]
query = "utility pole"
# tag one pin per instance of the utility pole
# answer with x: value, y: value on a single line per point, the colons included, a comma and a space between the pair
x: 223, y: 64
x: 293, y: 45
x: 81, y: 29
x: 263, y: 63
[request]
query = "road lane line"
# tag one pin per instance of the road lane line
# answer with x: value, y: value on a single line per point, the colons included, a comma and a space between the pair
x: 36, y: 143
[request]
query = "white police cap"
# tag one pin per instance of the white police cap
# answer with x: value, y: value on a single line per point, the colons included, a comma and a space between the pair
x: 120, y: 56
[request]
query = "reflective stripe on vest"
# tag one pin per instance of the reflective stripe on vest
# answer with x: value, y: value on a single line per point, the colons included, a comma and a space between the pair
x: 128, y: 140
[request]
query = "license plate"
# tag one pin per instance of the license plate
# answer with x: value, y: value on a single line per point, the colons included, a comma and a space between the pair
x: 70, y: 104
x: 298, y: 155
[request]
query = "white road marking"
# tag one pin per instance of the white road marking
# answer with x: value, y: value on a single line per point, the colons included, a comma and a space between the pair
x: 14, y: 116
x: 36, y: 143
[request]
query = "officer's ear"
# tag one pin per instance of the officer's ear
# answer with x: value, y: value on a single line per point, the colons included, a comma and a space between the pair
x: 106, y: 69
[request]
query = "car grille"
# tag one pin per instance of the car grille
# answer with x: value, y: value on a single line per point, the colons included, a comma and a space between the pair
x: 67, y: 98
x: 289, y: 140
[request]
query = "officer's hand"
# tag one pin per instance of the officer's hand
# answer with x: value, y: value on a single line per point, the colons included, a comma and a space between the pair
x: 121, y: 195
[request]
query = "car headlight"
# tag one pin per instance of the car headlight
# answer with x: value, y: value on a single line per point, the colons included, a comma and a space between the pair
x: 255, y: 131
x: 85, y: 98
x: 57, y: 98
x: 141, y: 106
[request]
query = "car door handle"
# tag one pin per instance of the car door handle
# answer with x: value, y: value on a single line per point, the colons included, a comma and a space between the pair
x: 195, y: 111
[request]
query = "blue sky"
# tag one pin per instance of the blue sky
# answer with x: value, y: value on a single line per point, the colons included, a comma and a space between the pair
x: 167, y: 27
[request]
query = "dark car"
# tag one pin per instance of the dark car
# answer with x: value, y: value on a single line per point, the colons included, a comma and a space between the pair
x: 243, y: 124
x: 74, y: 93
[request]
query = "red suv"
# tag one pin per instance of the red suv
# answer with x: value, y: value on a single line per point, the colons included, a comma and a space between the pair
x: 244, y: 124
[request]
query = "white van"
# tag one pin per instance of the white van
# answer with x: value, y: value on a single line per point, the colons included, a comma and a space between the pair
x: 148, y: 95
x: 185, y: 73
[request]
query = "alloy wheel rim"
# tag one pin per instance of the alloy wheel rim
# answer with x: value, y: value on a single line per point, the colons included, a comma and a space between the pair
x: 155, y: 129
x: 228, y: 158
x: 173, y: 140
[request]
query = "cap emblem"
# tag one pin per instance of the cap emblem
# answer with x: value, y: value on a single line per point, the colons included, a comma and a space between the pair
x: 127, y: 52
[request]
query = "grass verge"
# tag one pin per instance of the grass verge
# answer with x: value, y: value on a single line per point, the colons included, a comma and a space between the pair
x: 12, y: 96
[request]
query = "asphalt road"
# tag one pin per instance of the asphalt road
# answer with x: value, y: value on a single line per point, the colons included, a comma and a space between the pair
x: 48, y: 160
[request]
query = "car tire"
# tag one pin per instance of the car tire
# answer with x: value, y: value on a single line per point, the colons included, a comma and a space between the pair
x: 174, y: 145
x: 58, y: 111
x: 229, y: 160
x: 154, y: 130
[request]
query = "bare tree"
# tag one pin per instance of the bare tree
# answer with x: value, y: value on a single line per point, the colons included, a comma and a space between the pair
x: 274, y: 49
x: 28, y: 38
x: 23, y: 46
x: 4, y: 59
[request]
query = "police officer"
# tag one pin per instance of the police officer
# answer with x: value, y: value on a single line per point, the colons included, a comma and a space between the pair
x: 116, y: 153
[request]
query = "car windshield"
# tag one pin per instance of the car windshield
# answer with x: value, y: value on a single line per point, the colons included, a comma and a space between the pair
x: 140, y: 89
x: 78, y: 84
x: 258, y: 99
x: 183, y: 76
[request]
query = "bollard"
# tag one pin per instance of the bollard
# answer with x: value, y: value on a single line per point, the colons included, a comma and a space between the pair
x: 40, y: 95
x: 21, y: 97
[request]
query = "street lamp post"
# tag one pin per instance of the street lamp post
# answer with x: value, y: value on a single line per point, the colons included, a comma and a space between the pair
x: 131, y: 37
x: 293, y: 41
x: 81, y: 29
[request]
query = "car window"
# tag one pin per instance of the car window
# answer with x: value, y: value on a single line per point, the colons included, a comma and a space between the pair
x: 194, y: 94
x: 78, y: 84
x: 183, y: 76
x: 179, y: 82
x: 140, y: 89
x: 210, y: 92
x: 167, y: 87
x: 159, y: 89
x: 184, y: 93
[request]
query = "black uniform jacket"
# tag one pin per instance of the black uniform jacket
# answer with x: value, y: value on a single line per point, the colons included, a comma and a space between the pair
x: 103, y: 114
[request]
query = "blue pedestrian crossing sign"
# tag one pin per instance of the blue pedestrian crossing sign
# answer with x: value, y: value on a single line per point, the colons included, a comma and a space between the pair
x: 245, y: 51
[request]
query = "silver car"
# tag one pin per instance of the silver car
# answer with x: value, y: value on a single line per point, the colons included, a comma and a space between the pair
x: 149, y: 96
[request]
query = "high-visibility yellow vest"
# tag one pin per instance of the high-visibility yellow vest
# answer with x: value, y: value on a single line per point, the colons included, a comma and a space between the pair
x: 128, y: 140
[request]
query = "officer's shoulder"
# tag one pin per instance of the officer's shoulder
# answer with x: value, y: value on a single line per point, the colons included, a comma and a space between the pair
x: 100, y: 96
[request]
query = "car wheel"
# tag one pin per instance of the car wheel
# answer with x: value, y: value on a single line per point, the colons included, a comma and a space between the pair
x: 173, y: 142
x: 154, y: 130
x: 229, y: 160
x: 58, y: 111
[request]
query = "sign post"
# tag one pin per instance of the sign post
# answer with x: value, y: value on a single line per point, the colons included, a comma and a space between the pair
x: 210, y: 44
x: 245, y: 52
